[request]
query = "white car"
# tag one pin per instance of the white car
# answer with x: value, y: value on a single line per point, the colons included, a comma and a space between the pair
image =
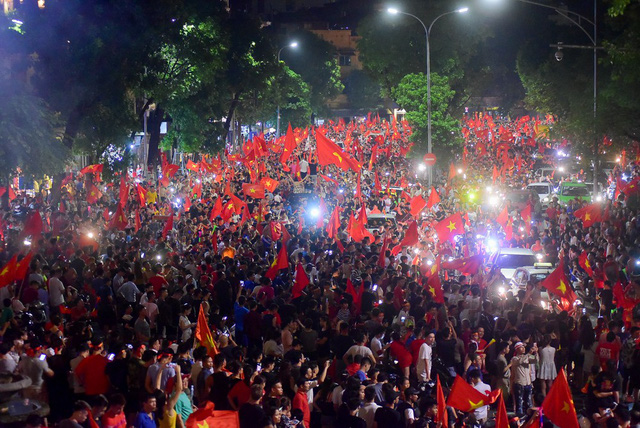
x: 543, y: 190
x: 508, y: 260
x: 376, y: 221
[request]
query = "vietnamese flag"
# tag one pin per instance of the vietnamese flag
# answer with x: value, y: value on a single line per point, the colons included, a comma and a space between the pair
x: 7, y: 273
x: 119, y: 221
x: 330, y: 154
x: 217, y: 209
x: 124, y: 190
x: 442, y: 416
x: 204, y: 336
x: 503, y: 217
x: 269, y: 183
x: 206, y: 417
x: 105, y: 214
x: 558, y: 405
x: 329, y: 179
x: 467, y: 266
x: 142, y: 194
x: 280, y: 262
x: 357, y: 295
x: 452, y: 171
x: 192, y: 166
x: 377, y: 186
x: 417, y: 204
x: 92, y: 169
x: 93, y: 194
x: 334, y: 223
x: 502, y: 419
x: 466, y: 398
x: 253, y: 190
x: 448, y: 228
x: 434, y: 198
x: 434, y: 285
x: 585, y: 264
x: 33, y: 225
x: 410, y: 239
x: 589, y: 214
x: 168, y: 225
x: 137, y: 220
x: 301, y: 281
x: 383, y: 252
x: 22, y: 267
x: 289, y: 145
x: 12, y: 194
x: 557, y: 283
x: 495, y: 174
x: 526, y: 216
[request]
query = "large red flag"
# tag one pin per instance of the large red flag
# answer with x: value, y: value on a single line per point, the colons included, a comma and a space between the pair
x: 33, y: 225
x: 442, y: 416
x: 434, y: 198
x: 302, y: 280
x: 253, y: 190
x: 502, y: 419
x: 585, y: 264
x: 8, y: 272
x: 204, y: 336
x: 118, y: 221
x: 93, y: 169
x: 217, y: 209
x: 334, y: 223
x: 192, y: 166
x: 124, y: 190
x: 207, y: 417
x: 503, y: 217
x: 467, y: 266
x: 142, y: 195
x: 558, y: 405
x: 330, y: 154
x: 410, y: 238
x: 281, y: 262
x: 557, y: 283
x: 466, y: 398
x: 434, y: 285
x: 589, y: 214
x: 93, y: 194
x: 137, y: 220
x: 417, y: 204
x: 383, y: 252
x: 289, y: 145
x: 448, y: 228
x: 269, y: 183
x: 168, y: 226
x: 22, y: 267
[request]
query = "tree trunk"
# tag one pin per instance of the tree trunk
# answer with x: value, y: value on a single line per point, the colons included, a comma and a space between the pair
x: 4, y: 202
x: 154, y: 124
x: 70, y: 133
x: 232, y: 109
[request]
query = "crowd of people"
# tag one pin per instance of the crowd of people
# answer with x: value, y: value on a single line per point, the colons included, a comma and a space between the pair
x: 316, y: 318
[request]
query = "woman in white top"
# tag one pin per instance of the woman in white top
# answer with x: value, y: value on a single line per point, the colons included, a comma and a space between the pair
x: 186, y: 326
x: 548, y: 370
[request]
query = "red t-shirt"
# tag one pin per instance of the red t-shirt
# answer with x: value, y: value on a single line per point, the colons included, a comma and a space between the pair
x: 399, y: 352
x: 240, y: 392
x: 118, y: 421
x: 92, y: 372
x: 414, y: 347
x: 301, y: 401
x: 158, y: 282
x: 608, y: 351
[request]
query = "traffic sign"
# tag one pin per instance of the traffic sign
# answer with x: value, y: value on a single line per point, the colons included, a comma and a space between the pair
x: 429, y: 159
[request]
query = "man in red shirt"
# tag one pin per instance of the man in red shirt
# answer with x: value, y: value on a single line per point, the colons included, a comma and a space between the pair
x: 91, y: 370
x: 301, y: 401
x: 608, y: 351
x: 157, y: 280
x: 114, y: 416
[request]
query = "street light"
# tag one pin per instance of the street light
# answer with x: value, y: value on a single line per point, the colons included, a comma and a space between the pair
x: 291, y: 45
x: 427, y: 32
x: 577, y: 20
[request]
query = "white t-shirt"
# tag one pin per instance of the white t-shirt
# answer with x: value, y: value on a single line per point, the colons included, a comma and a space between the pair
x: 304, y: 166
x: 360, y: 350
x: 368, y: 413
x: 424, y: 353
x: 481, y: 412
x: 56, y: 292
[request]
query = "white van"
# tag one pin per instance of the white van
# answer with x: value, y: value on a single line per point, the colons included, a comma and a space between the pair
x: 544, y: 191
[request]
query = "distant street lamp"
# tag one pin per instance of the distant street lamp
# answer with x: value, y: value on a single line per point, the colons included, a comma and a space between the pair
x: 427, y: 32
x: 292, y: 45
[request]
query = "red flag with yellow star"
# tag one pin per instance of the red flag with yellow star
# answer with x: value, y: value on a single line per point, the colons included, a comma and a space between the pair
x: 434, y: 285
x: 466, y: 398
x: 330, y: 154
x: 417, y: 204
x: 8, y: 272
x: 589, y: 214
x: 289, y: 145
x: 269, y: 183
x: 558, y: 405
x: 93, y: 194
x: 585, y: 264
x: 434, y: 198
x: 204, y: 336
x: 253, y: 190
x: 557, y: 283
x: 206, y: 417
x: 442, y: 405
x: 118, y: 221
x: 448, y: 228
x: 22, y: 267
x: 168, y: 226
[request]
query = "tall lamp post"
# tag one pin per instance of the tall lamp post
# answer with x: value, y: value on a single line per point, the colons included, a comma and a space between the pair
x: 579, y: 20
x: 290, y: 45
x: 427, y: 33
